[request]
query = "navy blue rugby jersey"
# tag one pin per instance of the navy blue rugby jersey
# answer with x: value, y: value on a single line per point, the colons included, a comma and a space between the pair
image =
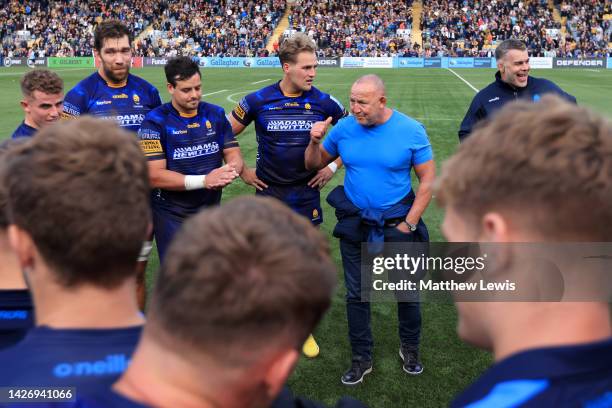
x: 127, y: 104
x: 282, y: 126
x: 564, y: 376
x: 16, y: 316
x: 191, y: 145
x: 23, y: 130
x: 89, y: 359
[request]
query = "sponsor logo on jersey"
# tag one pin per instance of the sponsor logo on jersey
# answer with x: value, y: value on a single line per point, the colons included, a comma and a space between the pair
x: 307, y: 105
x: 494, y: 99
x: 136, y: 99
x: 289, y: 125
x: 315, y: 214
x: 179, y: 132
x: 292, y: 104
x: 239, y: 112
x: 194, y: 125
x: 13, y: 314
x: 208, y: 125
x: 111, y: 364
x: 70, y: 109
x: 150, y: 147
x: 127, y: 120
x: 189, y: 152
x: 120, y: 96
x: 148, y: 134
x: 100, y: 103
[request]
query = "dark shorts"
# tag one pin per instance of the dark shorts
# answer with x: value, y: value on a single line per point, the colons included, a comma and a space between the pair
x: 301, y: 198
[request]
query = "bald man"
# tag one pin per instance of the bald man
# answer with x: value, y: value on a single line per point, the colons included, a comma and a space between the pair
x: 379, y: 147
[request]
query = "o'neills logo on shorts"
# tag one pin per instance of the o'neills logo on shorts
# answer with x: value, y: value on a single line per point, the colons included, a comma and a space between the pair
x: 288, y: 125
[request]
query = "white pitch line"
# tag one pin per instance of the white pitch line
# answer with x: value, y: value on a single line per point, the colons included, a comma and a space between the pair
x: 229, y: 97
x: 216, y: 92
x: 259, y: 82
x: 466, y: 82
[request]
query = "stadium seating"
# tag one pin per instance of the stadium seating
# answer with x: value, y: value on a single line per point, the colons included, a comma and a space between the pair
x: 561, y: 28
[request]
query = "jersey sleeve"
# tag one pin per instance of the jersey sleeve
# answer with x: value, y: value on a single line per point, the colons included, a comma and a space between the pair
x: 421, y: 149
x: 244, y: 112
x: 227, y: 135
x: 75, y: 103
x: 336, y: 110
x: 152, y: 139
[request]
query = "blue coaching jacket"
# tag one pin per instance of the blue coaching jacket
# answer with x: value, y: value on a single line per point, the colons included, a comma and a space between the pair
x: 499, y: 93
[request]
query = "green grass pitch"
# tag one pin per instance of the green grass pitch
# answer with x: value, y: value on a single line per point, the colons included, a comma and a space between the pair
x: 438, y: 99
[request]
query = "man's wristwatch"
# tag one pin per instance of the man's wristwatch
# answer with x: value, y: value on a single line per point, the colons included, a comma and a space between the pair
x: 412, y: 227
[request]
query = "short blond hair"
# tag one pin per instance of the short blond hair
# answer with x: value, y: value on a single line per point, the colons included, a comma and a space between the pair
x: 294, y: 45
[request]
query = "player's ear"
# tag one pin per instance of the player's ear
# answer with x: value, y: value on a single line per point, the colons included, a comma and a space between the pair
x: 170, y: 88
x: 24, y: 104
x: 22, y: 245
x: 285, y: 67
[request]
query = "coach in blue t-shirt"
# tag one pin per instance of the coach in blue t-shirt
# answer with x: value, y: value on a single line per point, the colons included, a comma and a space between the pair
x: 379, y: 147
x: 78, y: 205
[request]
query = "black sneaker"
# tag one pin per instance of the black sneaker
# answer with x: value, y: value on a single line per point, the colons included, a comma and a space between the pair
x: 358, y: 370
x: 410, y: 357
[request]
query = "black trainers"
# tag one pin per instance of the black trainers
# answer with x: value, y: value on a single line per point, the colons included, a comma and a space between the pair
x: 410, y: 357
x: 354, y: 375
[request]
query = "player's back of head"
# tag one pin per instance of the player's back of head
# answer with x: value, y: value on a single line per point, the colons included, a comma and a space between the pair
x: 540, y: 164
x: 241, y: 281
x: 80, y: 190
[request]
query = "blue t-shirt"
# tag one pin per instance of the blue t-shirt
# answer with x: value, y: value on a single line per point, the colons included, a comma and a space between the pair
x: 191, y: 145
x: 282, y: 126
x: 127, y: 105
x: 16, y: 316
x: 23, y: 130
x: 88, y: 359
x: 566, y: 376
x: 378, y: 159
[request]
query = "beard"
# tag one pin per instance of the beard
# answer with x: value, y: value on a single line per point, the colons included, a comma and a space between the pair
x: 112, y: 76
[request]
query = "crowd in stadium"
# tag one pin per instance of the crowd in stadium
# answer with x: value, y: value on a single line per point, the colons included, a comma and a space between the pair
x: 340, y: 27
x: 589, y: 31
x: 213, y: 28
x: 347, y: 28
x: 64, y: 28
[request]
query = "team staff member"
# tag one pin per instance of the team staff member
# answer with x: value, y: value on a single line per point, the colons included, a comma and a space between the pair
x: 512, y: 82
x: 186, y: 142
x: 42, y: 103
x: 283, y: 114
x: 547, y: 354
x: 379, y: 147
x: 78, y: 212
x: 113, y: 93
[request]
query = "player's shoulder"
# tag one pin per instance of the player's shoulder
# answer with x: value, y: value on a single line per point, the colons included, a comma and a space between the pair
x: 86, y: 85
x: 160, y: 113
x: 139, y: 82
x: 207, y: 108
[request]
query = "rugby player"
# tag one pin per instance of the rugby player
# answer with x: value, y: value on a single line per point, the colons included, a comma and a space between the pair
x: 113, y: 93
x: 186, y: 141
x: 283, y: 114
x: 42, y: 103
x: 16, y: 309
x: 78, y: 206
